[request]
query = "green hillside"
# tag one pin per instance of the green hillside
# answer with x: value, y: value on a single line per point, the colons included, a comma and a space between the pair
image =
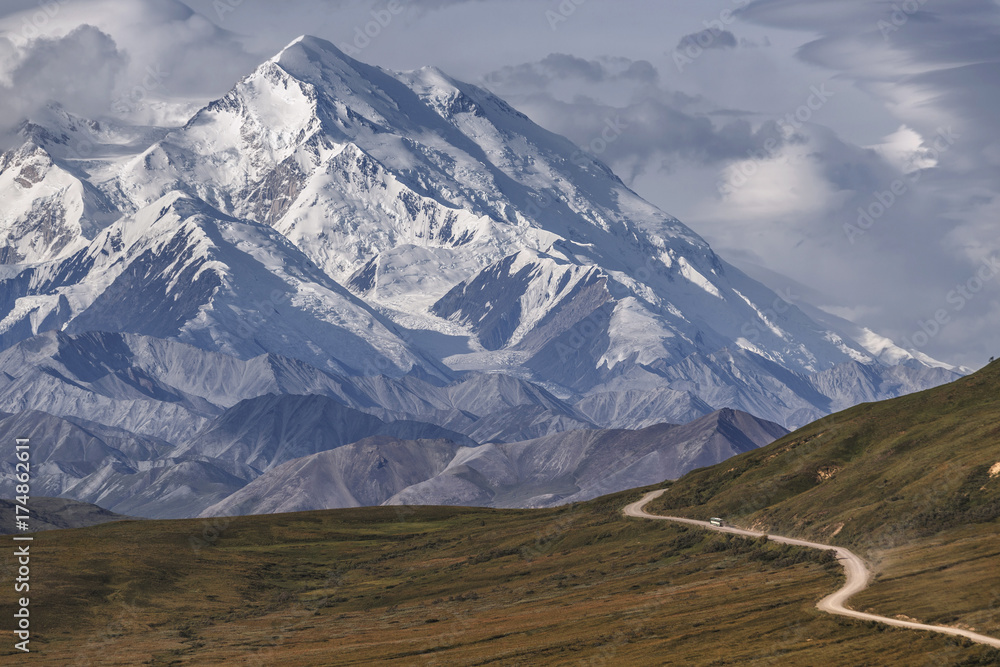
x: 912, y: 484
x: 872, y: 477
x: 444, y: 586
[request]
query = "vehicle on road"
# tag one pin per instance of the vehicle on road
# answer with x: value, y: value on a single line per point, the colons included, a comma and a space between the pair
x: 716, y: 521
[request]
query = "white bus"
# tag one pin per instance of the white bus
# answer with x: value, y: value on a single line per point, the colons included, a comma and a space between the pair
x: 716, y: 521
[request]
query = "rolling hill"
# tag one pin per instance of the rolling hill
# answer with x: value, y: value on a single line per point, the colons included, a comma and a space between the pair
x: 874, y: 476
x: 447, y: 586
x: 912, y: 484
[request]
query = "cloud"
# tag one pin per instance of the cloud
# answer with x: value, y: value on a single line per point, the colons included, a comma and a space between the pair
x: 710, y: 38
x: 936, y: 70
x: 79, y: 70
x: 578, y: 98
x: 162, y: 57
x: 560, y: 66
x: 874, y: 226
x: 927, y: 66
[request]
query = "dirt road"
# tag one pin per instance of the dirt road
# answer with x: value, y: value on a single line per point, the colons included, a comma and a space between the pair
x: 855, y: 569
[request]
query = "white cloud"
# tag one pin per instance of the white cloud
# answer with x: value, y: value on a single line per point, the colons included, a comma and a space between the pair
x: 789, y: 186
x: 905, y: 150
x: 159, y: 54
x: 79, y: 70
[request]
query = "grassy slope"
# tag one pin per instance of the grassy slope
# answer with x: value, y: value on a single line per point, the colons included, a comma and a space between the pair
x: 904, y: 482
x: 578, y: 585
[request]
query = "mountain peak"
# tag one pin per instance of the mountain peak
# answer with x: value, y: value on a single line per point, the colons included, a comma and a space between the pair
x: 497, y: 244
x: 306, y: 56
x: 310, y: 45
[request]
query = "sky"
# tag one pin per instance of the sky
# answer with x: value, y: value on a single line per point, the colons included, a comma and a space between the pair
x: 844, y: 152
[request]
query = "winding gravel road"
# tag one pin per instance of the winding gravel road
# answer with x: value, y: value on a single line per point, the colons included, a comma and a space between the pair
x: 855, y: 568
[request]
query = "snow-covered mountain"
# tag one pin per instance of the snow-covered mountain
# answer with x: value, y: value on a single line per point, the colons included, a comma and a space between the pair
x: 405, y: 244
x: 456, y: 214
x: 181, y: 270
x: 465, y: 233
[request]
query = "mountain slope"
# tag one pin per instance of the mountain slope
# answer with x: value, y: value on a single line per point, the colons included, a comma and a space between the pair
x: 561, y: 468
x: 531, y: 200
x: 578, y: 465
x: 267, y: 431
x: 56, y: 513
x: 169, y: 389
x: 873, y: 476
x: 374, y: 223
x: 96, y: 377
x: 184, y: 271
x: 638, y: 409
x: 364, y: 473
x: 463, y: 585
x: 64, y: 452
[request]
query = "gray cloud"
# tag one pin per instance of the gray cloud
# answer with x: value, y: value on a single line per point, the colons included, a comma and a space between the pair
x: 559, y: 66
x: 936, y: 69
x: 79, y: 71
x: 710, y: 38
x: 577, y: 98
x: 158, y: 57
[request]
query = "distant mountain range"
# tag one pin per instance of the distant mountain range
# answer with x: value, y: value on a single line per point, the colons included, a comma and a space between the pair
x: 335, y: 262
x: 55, y: 513
x: 188, y: 441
